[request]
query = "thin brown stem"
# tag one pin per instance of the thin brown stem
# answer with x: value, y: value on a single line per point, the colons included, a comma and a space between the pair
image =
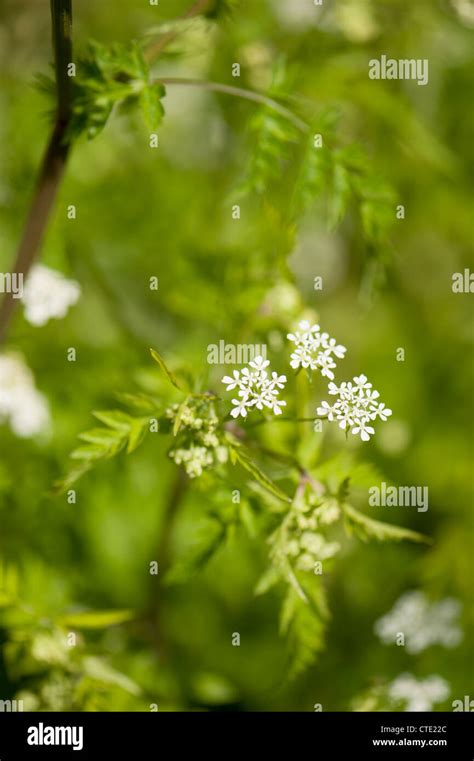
x: 54, y: 160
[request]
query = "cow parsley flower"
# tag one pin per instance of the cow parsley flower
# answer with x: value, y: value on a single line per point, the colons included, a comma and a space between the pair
x: 256, y: 388
x: 422, y: 622
x: 418, y: 695
x: 21, y: 404
x: 356, y: 407
x: 315, y: 350
x: 48, y: 294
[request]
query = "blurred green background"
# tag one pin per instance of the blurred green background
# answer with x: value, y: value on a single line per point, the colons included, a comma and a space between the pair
x: 166, y: 213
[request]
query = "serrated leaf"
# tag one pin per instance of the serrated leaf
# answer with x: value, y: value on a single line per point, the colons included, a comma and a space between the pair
x: 246, y: 461
x: 91, y: 452
x: 114, y: 419
x: 304, y: 630
x: 60, y: 486
x: 368, y: 528
x: 138, y: 431
x: 104, y: 436
x: 171, y: 376
x: 138, y: 402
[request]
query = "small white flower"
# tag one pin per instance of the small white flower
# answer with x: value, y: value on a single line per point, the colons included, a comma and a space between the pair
x: 364, y: 430
x: 259, y: 363
x: 356, y: 407
x: 314, y: 349
x: 256, y: 388
x: 240, y: 407
x: 48, y: 294
x: 232, y: 382
x: 328, y: 409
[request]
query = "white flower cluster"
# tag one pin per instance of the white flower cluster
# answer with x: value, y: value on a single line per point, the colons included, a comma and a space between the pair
x: 21, y: 404
x: 419, y: 695
x: 356, y: 407
x: 256, y: 388
x: 202, y: 447
x: 422, y: 623
x: 315, y: 349
x: 48, y: 294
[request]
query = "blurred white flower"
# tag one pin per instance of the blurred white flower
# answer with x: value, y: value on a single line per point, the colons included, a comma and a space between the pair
x: 21, y: 404
x: 314, y: 349
x: 48, y: 294
x: 419, y: 695
x: 297, y: 14
x: 422, y: 622
x: 356, y: 407
x: 256, y: 388
x: 195, y: 459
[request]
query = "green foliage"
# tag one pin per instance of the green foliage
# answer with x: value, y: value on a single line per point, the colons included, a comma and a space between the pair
x: 306, y: 210
x: 367, y: 528
x: 120, y: 432
x: 111, y: 76
x: 238, y: 454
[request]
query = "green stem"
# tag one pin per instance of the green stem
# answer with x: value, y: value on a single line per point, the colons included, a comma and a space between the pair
x: 239, y: 92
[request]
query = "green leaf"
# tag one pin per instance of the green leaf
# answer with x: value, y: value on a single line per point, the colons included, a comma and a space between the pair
x: 101, y: 436
x: 171, y: 377
x: 304, y: 630
x: 151, y: 106
x: 96, y: 619
x: 140, y: 403
x: 246, y: 461
x: 103, y: 443
x: 114, y: 419
x: 93, y: 452
x: 138, y: 431
x: 368, y: 528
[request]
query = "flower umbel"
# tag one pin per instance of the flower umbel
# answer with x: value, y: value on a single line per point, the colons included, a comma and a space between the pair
x: 356, y: 407
x: 256, y: 388
x: 422, y: 622
x: 199, y: 443
x: 21, y: 404
x: 48, y: 294
x: 315, y: 350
